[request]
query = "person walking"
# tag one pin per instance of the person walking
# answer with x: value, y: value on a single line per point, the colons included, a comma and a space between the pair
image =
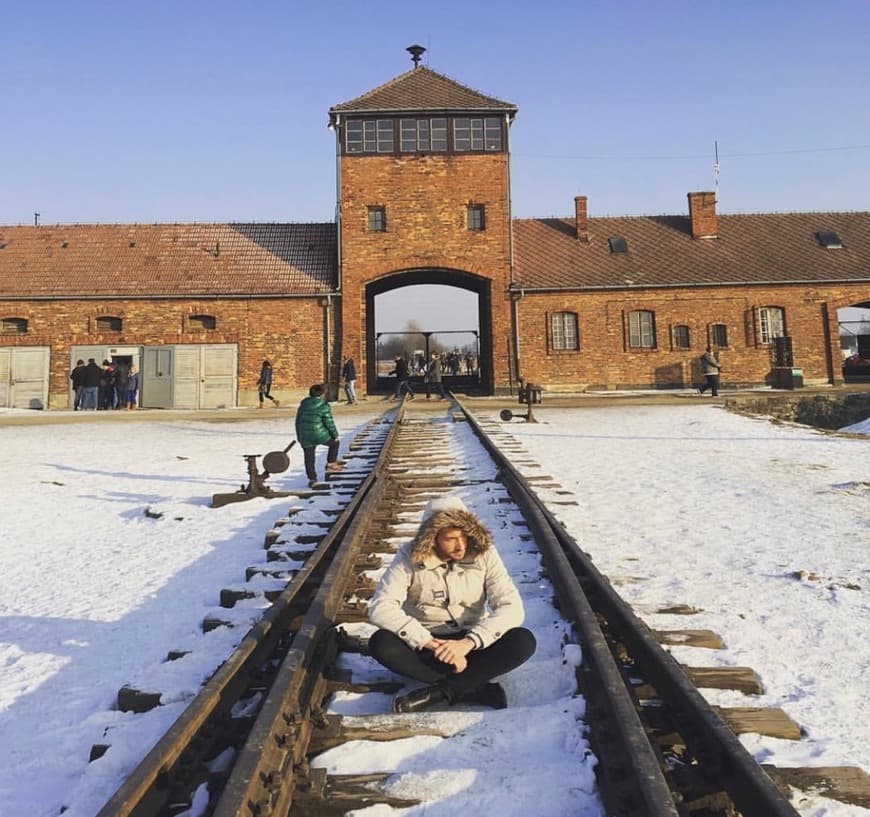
x: 403, y: 375
x: 315, y: 426
x: 92, y: 376
x: 710, y: 368
x: 431, y: 609
x: 76, y: 376
x: 432, y: 378
x: 348, y: 375
x: 264, y: 384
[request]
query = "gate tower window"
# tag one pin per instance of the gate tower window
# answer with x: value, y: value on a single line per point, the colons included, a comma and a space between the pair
x: 475, y: 217
x: 476, y: 133
x: 423, y: 135
x: 369, y: 136
x: 377, y: 219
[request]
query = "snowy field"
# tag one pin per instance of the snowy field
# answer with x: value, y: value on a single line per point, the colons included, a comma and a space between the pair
x: 765, y: 528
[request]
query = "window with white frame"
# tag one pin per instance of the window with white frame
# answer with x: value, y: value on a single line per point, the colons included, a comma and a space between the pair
x: 369, y: 136
x: 641, y: 329
x: 565, y: 331
x: 423, y: 135
x: 771, y: 323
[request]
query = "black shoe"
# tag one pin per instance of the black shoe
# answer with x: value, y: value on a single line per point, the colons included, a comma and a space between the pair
x: 491, y: 695
x: 419, y: 699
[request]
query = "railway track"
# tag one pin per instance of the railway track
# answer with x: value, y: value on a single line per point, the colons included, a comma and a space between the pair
x: 269, y: 733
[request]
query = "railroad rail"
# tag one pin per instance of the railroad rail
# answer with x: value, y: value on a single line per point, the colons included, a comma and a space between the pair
x: 249, y: 744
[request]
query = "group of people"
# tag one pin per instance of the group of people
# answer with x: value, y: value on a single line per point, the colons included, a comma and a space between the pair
x: 431, y: 378
x: 111, y: 386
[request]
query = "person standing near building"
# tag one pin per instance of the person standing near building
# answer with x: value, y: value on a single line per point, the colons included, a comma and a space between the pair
x: 448, y: 613
x: 131, y: 398
x: 710, y: 369
x: 76, y: 376
x: 315, y: 426
x: 432, y: 378
x: 91, y: 378
x: 122, y: 379
x: 348, y: 375
x: 264, y: 384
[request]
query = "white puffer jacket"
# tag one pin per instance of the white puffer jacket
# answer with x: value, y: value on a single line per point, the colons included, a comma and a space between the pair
x: 421, y: 596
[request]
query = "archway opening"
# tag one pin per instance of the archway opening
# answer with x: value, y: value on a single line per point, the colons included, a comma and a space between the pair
x: 854, y: 328
x: 418, y: 314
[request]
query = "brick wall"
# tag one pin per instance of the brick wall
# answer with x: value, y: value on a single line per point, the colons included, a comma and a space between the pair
x: 425, y: 199
x: 605, y: 361
x: 289, y: 332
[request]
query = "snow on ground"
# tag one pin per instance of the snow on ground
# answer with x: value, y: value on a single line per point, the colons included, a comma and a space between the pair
x: 765, y: 528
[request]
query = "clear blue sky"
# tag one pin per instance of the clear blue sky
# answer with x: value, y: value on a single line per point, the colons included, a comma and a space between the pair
x: 192, y: 111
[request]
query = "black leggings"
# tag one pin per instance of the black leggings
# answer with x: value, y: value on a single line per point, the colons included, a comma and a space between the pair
x: 515, y: 647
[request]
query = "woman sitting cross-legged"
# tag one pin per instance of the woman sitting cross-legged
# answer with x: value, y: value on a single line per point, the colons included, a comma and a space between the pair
x: 449, y: 614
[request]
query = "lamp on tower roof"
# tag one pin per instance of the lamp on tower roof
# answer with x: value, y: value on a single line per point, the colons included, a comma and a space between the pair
x: 416, y: 52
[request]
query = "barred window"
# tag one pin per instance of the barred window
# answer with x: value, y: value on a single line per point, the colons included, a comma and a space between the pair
x: 13, y: 326
x: 719, y: 335
x: 475, y: 217
x: 201, y: 323
x: 641, y: 330
x: 377, y: 219
x: 681, y: 337
x: 771, y: 323
x: 109, y: 323
x: 565, y: 331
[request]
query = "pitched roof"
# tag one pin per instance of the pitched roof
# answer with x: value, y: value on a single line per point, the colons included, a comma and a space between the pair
x: 422, y: 89
x: 176, y: 260
x: 750, y: 249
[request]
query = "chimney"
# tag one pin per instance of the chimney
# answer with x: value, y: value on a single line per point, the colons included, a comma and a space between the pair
x: 702, y: 215
x: 580, y: 219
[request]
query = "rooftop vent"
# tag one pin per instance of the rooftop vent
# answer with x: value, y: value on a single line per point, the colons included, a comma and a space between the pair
x: 618, y: 244
x: 829, y: 240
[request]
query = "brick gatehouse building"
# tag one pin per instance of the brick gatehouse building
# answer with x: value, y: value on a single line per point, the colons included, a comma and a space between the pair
x: 424, y: 197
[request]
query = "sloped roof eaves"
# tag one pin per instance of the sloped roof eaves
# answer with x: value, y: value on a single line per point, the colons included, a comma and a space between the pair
x: 189, y: 260
x: 754, y: 249
x: 422, y: 89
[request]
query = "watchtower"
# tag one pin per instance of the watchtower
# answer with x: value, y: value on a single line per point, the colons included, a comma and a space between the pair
x: 423, y: 171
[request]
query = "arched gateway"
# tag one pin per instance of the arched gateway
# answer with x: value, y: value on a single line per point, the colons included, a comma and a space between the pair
x: 483, y: 379
x: 424, y: 198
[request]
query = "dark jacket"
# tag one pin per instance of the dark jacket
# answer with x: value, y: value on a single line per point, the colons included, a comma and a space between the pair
x: 348, y: 371
x: 91, y: 376
x: 265, y: 378
x: 401, y: 370
x: 314, y: 423
x: 77, y: 376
